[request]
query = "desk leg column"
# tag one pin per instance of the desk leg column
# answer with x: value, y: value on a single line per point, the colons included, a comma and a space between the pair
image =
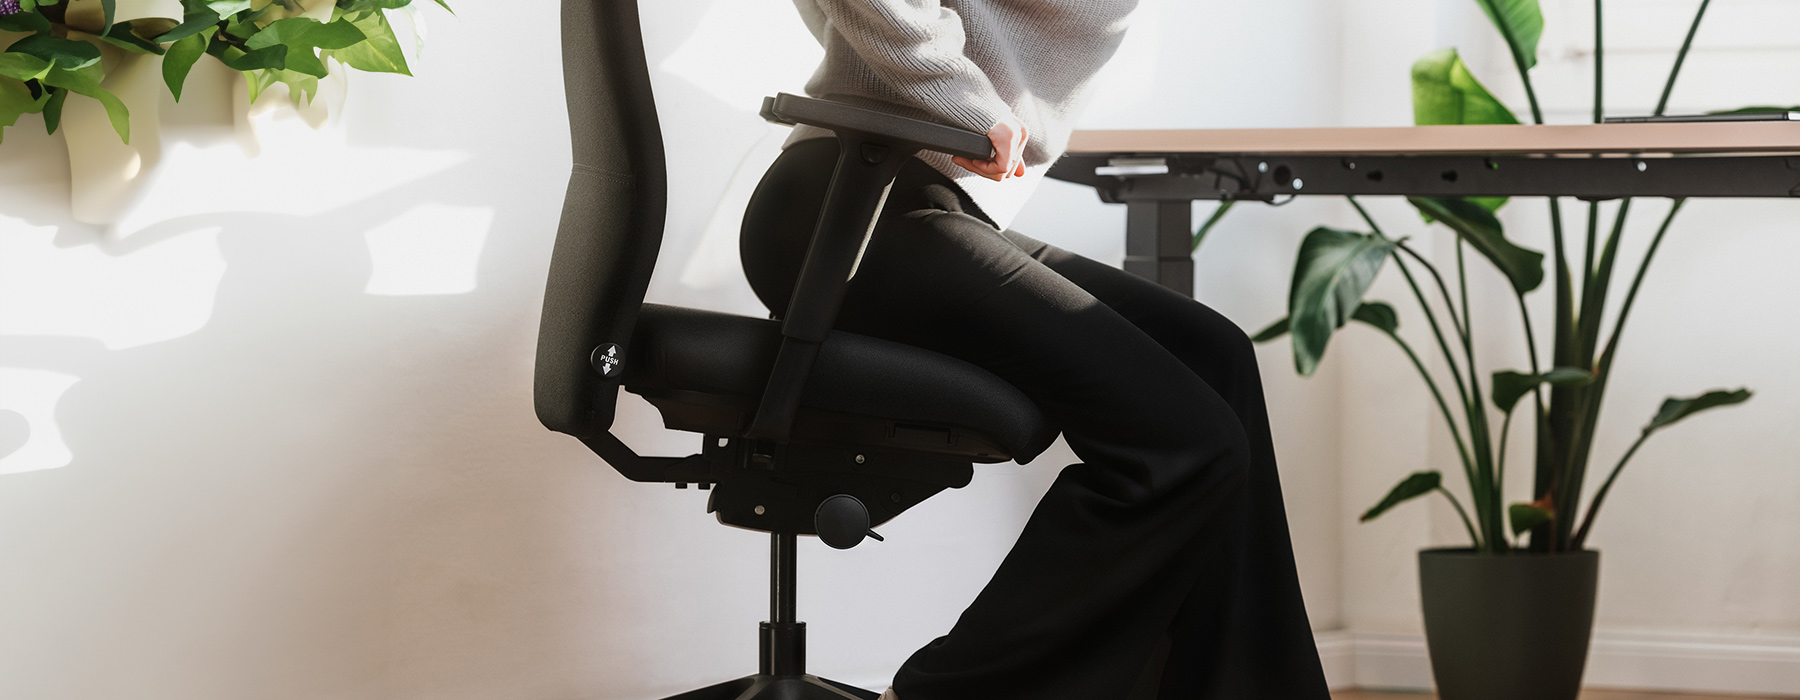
x: 1159, y: 237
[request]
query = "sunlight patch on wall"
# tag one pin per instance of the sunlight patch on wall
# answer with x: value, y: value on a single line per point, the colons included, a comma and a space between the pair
x: 160, y: 292
x: 743, y: 51
x: 430, y: 249
x: 33, y: 393
x: 714, y: 262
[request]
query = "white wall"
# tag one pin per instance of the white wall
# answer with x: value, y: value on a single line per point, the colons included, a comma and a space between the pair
x: 301, y: 460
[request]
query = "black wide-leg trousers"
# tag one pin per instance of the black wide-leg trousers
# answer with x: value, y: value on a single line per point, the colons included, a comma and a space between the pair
x: 1169, y: 535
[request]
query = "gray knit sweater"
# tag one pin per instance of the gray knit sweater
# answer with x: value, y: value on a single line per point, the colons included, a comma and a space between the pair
x: 968, y: 63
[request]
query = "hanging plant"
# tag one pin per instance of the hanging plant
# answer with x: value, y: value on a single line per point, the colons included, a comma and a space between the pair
x: 270, y: 41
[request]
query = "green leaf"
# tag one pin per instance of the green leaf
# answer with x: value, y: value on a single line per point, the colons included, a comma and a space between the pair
x: 1446, y: 93
x: 1523, y: 20
x: 1526, y: 516
x: 181, y: 57
x: 226, y: 8
x: 16, y: 100
x: 237, y: 59
x: 88, y: 83
x: 23, y: 66
x: 1275, y: 330
x: 1378, y: 314
x: 121, y: 36
x: 26, y: 22
x: 1510, y: 386
x: 1414, y: 486
x: 1375, y: 313
x: 446, y: 6
x: 108, y: 10
x: 380, y: 53
x: 301, y: 36
x: 53, y: 111
x: 1674, y: 409
x: 66, y: 54
x: 1522, y: 266
x: 1333, y: 271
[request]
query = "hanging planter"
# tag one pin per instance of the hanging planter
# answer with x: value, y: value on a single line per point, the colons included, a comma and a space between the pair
x: 115, y: 56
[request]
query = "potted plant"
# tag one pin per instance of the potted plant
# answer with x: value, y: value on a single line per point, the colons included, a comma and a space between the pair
x: 1509, y: 616
x: 111, y: 54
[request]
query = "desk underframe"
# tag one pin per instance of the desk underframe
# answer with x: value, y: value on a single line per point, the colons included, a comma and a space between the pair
x: 1159, y: 221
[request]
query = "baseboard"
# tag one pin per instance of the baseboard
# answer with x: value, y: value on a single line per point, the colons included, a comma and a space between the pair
x: 1642, y: 659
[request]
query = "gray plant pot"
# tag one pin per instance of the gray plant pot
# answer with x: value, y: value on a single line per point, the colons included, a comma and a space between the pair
x: 1508, y: 627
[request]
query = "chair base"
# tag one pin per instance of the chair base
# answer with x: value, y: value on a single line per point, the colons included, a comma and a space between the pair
x: 761, y: 687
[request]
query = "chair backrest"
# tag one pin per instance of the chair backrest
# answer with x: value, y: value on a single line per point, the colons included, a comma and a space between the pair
x: 612, y: 218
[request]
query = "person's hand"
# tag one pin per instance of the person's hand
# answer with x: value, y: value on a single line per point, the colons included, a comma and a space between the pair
x: 1009, y: 152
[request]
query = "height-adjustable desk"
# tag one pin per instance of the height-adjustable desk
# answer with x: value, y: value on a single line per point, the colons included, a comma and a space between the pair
x: 1158, y: 174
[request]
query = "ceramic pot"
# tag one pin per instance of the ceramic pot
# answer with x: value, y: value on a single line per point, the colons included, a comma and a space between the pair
x: 1507, y: 627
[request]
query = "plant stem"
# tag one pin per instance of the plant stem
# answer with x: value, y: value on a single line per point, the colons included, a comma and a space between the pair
x: 1553, y: 435
x: 1537, y: 393
x: 1462, y: 391
x: 1211, y: 221
x: 1430, y: 317
x: 1465, y: 517
x: 1681, y: 57
x: 1637, y: 281
x: 1600, y: 496
x: 1599, y: 65
x: 1443, y: 406
x: 1443, y: 289
x: 1456, y: 322
x: 1500, y: 462
x: 1487, y: 506
x: 1600, y: 283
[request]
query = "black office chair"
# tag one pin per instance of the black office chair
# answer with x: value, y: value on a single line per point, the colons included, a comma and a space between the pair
x: 807, y: 430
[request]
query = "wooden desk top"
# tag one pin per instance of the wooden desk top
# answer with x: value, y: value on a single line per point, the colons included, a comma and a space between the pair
x: 1718, y: 138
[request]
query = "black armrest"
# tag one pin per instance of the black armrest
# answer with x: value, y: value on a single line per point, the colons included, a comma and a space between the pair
x: 842, y: 118
x: 872, y: 147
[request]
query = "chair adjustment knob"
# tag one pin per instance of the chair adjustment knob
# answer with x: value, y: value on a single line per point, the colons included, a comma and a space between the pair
x: 842, y: 522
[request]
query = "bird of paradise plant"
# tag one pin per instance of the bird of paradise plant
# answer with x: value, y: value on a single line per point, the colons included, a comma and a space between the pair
x: 1562, y: 394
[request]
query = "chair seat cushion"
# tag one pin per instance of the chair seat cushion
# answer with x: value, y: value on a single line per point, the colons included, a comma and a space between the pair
x: 681, y: 355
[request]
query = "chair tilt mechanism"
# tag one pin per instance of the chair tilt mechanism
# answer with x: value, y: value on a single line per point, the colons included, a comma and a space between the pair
x: 807, y: 430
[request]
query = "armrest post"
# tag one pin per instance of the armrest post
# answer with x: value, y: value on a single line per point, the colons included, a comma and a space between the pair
x: 866, y: 168
x: 872, y: 147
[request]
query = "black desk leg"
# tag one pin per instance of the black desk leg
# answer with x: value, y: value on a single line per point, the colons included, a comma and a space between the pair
x: 1159, y: 240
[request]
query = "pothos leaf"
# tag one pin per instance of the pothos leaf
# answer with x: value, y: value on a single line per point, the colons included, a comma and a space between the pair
x: 24, y: 22
x: 181, y: 57
x: 121, y: 36
x: 302, y: 36
x: 66, y: 54
x: 53, y: 110
x: 23, y: 66
x: 16, y: 100
x: 87, y: 83
x: 380, y: 53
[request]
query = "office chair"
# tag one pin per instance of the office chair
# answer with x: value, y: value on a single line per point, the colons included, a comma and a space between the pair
x: 806, y: 430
